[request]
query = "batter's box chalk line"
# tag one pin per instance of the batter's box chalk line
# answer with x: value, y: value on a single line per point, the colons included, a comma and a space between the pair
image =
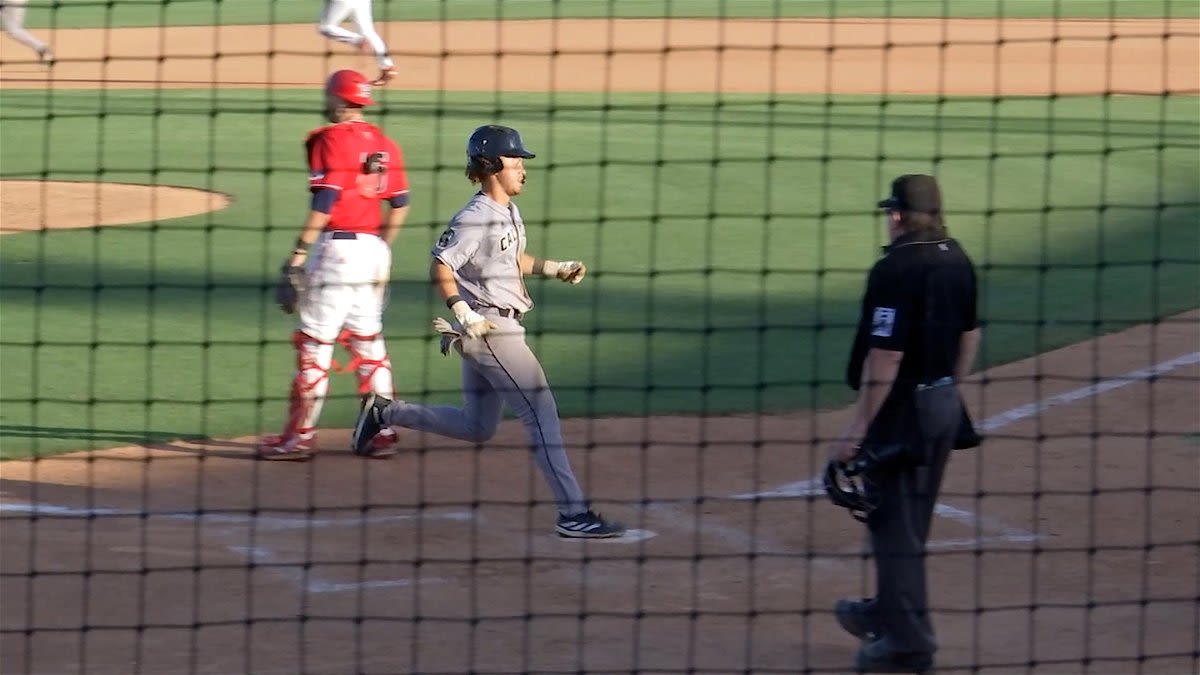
x: 237, y: 524
x: 259, y: 521
x: 311, y: 583
x: 997, y: 531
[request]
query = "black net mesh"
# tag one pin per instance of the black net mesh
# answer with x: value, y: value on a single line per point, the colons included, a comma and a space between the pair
x: 716, y: 164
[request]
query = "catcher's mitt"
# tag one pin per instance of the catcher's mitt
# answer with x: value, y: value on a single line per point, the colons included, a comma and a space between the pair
x: 289, y: 288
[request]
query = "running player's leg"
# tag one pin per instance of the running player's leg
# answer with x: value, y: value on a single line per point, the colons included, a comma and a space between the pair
x: 475, y: 422
x: 515, y: 373
x: 362, y: 18
x: 330, y: 23
x: 12, y: 20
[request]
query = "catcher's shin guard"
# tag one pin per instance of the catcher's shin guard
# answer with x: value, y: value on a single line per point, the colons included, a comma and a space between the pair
x: 313, y: 360
x: 370, y: 363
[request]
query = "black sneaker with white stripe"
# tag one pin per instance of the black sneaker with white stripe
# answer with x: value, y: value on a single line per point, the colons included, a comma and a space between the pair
x: 370, y: 422
x: 588, y: 525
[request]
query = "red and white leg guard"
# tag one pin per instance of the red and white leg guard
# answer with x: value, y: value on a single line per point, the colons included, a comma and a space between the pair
x: 370, y: 363
x: 313, y: 361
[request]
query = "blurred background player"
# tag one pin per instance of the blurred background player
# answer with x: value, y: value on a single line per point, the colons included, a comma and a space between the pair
x: 339, y: 290
x: 12, y: 20
x: 337, y: 12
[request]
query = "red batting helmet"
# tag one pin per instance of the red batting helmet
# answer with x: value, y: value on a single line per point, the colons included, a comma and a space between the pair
x: 350, y: 86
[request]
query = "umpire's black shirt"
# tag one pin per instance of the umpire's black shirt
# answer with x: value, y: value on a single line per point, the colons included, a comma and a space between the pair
x: 920, y: 299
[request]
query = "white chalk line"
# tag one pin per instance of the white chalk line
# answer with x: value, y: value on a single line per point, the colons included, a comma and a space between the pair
x: 293, y: 572
x: 1107, y: 384
x: 735, y: 537
x: 259, y: 521
x: 815, y: 486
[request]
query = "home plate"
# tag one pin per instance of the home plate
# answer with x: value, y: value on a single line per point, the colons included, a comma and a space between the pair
x: 629, y: 537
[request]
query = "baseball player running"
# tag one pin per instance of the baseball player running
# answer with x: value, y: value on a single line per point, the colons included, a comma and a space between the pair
x: 337, y: 12
x: 339, y: 289
x: 478, y: 267
x: 12, y: 20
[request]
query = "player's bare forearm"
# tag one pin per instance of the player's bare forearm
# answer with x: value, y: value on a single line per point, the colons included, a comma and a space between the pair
x: 394, y: 222
x: 313, y: 225
x: 527, y: 262
x: 879, y: 374
x: 968, y: 347
x: 442, y: 279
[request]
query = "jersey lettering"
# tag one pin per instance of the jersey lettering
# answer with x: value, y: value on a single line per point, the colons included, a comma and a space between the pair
x: 508, y: 240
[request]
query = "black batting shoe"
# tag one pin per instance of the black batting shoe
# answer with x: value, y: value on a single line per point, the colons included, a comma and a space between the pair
x: 588, y: 525
x: 857, y: 618
x: 880, y: 657
x: 370, y: 423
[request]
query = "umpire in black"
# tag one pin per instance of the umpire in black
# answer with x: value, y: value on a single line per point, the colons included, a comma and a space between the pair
x: 917, y: 335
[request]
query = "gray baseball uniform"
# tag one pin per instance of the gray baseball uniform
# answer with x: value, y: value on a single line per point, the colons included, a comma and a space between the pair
x: 483, y: 247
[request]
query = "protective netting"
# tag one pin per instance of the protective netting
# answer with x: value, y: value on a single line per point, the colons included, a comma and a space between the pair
x: 716, y: 164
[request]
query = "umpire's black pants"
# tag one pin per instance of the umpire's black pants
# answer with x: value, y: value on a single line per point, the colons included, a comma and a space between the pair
x: 899, y: 527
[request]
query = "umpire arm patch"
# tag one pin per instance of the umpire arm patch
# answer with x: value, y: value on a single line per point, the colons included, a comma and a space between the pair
x: 883, y: 322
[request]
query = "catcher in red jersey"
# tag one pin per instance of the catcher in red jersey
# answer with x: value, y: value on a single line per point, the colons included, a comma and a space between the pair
x: 336, y: 278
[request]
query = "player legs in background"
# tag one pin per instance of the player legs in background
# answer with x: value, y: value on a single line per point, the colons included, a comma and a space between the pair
x: 366, y: 25
x: 367, y: 38
x: 330, y: 23
x: 12, y: 19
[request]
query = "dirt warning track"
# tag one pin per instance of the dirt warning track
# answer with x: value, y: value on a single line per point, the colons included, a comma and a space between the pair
x: 863, y: 56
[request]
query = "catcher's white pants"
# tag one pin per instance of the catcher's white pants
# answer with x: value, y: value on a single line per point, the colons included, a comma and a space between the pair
x: 347, y: 282
x: 359, y: 11
x: 12, y: 19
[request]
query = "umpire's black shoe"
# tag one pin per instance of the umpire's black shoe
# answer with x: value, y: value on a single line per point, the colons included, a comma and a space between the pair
x: 856, y: 618
x: 880, y: 657
x: 370, y: 422
x: 588, y: 525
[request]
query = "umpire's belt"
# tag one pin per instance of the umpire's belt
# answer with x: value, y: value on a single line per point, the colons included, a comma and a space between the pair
x: 940, y: 382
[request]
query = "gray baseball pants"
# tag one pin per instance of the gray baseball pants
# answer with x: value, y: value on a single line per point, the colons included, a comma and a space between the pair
x: 500, y: 369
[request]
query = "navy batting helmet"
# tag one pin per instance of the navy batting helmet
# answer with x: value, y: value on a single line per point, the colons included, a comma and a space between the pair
x: 494, y: 141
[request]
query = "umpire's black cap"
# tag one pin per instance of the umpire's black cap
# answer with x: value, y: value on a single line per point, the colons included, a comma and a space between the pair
x: 914, y: 192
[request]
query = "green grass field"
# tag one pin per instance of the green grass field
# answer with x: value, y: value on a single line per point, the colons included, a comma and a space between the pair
x: 92, y: 13
x: 727, y: 245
